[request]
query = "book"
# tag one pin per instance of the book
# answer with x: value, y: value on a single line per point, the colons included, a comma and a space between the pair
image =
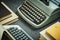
x: 11, y: 19
x: 51, y: 33
x: 54, y: 31
x: 4, y: 13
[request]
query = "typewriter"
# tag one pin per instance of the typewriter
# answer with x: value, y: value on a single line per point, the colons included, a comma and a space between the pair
x: 15, y: 32
x: 39, y: 13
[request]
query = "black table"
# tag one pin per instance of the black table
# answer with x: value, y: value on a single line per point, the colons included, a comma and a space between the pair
x: 34, y: 33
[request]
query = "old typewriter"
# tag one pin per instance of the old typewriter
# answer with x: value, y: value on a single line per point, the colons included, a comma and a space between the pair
x: 39, y: 13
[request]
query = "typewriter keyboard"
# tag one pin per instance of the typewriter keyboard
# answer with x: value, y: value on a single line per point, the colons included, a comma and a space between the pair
x: 32, y: 12
x: 18, y: 34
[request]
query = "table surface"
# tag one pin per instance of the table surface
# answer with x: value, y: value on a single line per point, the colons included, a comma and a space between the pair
x: 34, y: 33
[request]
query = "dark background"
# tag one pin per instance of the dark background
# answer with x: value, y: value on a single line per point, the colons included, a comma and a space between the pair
x: 33, y: 32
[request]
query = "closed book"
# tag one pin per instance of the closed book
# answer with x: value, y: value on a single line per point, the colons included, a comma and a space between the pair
x: 54, y: 31
x: 51, y: 33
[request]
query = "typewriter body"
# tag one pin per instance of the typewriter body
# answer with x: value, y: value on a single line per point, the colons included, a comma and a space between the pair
x: 38, y: 13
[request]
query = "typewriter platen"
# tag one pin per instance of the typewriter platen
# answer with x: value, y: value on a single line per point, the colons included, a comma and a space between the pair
x: 38, y: 13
